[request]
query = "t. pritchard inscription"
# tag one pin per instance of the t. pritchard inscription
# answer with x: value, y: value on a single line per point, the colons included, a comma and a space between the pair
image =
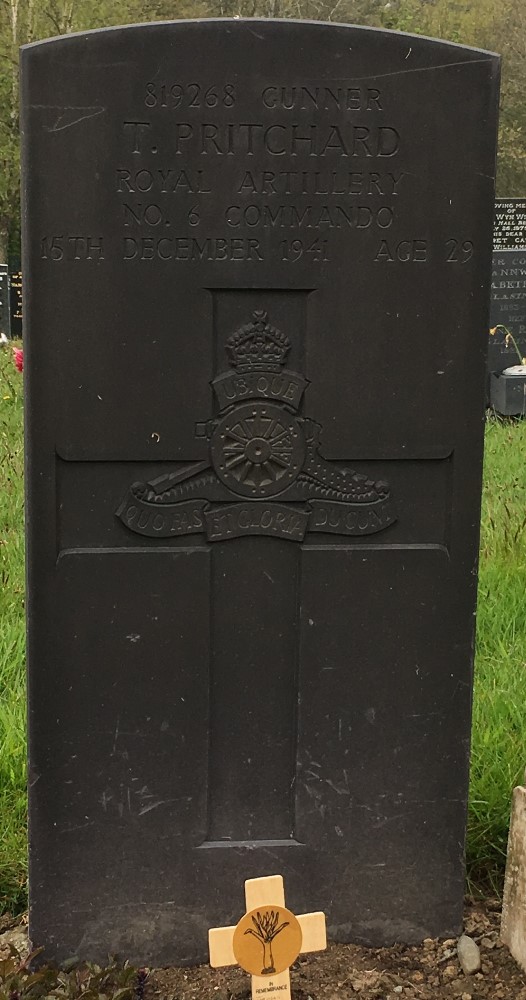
x: 328, y: 162
x: 260, y: 448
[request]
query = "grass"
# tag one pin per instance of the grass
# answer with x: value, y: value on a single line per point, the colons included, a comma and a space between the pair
x: 12, y: 639
x: 499, y: 719
x: 499, y: 730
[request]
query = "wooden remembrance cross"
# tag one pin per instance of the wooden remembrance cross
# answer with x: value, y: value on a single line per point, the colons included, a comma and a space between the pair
x: 268, y: 938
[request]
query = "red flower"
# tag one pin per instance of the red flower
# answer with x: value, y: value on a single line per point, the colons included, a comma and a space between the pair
x: 18, y: 357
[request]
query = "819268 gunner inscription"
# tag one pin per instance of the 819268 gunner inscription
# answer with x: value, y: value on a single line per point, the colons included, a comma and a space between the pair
x: 260, y: 447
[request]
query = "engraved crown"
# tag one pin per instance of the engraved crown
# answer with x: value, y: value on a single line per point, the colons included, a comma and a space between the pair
x: 257, y: 346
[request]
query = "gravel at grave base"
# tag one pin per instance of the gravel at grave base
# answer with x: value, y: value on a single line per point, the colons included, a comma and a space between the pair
x: 13, y: 933
x: 430, y: 971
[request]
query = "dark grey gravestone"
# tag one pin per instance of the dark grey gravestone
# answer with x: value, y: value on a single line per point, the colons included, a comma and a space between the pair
x: 258, y: 262
x: 15, y: 299
x: 509, y: 231
x: 508, y: 285
x: 5, y: 312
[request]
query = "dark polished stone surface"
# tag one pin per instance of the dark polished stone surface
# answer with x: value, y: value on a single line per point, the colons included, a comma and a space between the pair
x: 257, y: 266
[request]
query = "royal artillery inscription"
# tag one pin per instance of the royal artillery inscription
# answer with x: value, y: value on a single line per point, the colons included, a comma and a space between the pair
x: 256, y: 307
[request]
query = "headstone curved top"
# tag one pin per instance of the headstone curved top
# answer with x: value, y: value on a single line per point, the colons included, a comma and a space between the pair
x: 257, y: 260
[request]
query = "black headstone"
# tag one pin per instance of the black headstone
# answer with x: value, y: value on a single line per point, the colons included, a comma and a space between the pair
x: 15, y: 299
x: 508, y: 285
x: 510, y: 224
x: 258, y: 263
x: 5, y: 314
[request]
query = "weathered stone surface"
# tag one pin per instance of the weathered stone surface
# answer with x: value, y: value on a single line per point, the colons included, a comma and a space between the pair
x: 513, y: 927
x: 258, y: 265
x: 468, y: 954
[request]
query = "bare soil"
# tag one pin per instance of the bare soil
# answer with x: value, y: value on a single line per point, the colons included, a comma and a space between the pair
x: 430, y: 971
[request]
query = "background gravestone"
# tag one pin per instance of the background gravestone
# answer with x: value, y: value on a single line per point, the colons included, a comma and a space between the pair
x: 508, y: 283
x: 257, y: 262
x: 5, y: 324
x: 510, y: 224
x: 15, y: 298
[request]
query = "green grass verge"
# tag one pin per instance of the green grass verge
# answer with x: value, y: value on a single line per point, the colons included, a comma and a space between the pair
x: 13, y: 865
x: 499, y: 718
x: 499, y: 730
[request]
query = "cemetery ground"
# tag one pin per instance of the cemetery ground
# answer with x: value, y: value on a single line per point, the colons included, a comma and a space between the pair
x: 430, y: 971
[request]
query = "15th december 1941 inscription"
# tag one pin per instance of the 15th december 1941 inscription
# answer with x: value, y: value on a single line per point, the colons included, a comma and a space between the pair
x: 158, y: 190
x: 257, y: 264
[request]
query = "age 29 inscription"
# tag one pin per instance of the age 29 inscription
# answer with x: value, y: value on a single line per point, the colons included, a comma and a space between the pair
x: 311, y: 173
